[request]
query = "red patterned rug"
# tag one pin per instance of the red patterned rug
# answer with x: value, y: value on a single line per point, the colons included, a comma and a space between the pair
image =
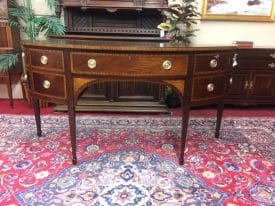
x: 133, y: 161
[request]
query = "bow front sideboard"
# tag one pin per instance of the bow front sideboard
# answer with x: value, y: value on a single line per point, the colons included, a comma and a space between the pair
x: 58, y: 71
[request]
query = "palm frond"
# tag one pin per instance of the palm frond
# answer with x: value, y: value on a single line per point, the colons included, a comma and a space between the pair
x: 7, y: 61
x: 50, y: 25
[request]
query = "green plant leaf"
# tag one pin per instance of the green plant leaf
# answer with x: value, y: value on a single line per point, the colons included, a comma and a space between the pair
x: 7, y: 61
x: 51, y: 4
x: 50, y: 24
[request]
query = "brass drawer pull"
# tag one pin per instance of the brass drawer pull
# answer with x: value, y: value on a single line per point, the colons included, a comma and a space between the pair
x: 44, y: 60
x: 167, y: 65
x: 272, y: 55
x: 24, y: 77
x: 251, y: 85
x: 91, y: 63
x: 246, y: 85
x: 213, y: 63
x: 271, y: 65
x: 210, y: 87
x: 46, y: 84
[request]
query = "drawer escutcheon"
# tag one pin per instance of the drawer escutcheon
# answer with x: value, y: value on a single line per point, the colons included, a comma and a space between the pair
x: 44, y: 59
x: 210, y: 87
x: 91, y: 63
x: 46, y: 84
x: 167, y: 65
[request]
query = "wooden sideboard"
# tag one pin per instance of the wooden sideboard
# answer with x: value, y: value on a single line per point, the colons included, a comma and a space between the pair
x: 59, y: 70
x: 253, y: 78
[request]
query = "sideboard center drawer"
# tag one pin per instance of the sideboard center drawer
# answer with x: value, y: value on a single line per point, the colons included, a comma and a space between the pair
x: 128, y: 64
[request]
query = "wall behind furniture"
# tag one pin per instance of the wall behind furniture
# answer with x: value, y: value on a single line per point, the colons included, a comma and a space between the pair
x: 210, y: 32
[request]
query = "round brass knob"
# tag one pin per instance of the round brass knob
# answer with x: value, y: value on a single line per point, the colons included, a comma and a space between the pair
x: 271, y: 65
x: 272, y: 55
x: 91, y: 63
x: 210, y: 87
x: 167, y: 64
x: 213, y: 63
x: 44, y: 59
x: 46, y: 84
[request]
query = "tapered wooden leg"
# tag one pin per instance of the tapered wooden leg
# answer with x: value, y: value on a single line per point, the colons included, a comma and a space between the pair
x: 9, y: 88
x: 184, y: 126
x: 72, y: 124
x: 36, y: 108
x: 219, y: 119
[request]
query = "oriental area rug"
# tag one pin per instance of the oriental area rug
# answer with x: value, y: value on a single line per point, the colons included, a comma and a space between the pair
x: 132, y: 161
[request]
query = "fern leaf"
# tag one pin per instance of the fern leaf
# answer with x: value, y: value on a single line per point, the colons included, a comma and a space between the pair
x: 7, y: 61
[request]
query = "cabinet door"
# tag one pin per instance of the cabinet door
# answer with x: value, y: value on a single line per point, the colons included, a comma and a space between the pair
x: 238, y: 85
x: 262, y: 86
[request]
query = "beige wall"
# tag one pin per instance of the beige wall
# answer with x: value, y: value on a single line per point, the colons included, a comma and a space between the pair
x: 210, y: 32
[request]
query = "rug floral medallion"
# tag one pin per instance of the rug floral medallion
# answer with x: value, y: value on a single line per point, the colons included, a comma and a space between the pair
x: 134, y: 161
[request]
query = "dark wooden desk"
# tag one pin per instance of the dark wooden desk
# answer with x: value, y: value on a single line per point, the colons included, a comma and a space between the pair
x: 59, y: 70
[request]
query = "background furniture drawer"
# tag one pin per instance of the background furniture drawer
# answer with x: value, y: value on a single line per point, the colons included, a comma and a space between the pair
x: 124, y: 64
x: 255, y: 54
x: 256, y: 64
x: 52, y: 85
x: 207, y: 88
x: 47, y: 59
x: 205, y: 63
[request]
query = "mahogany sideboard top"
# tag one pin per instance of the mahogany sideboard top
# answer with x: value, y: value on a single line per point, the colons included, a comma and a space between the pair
x: 60, y: 69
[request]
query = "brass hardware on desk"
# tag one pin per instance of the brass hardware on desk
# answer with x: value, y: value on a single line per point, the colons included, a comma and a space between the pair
x: 210, y: 87
x: 46, y: 84
x: 272, y: 55
x: 24, y: 77
x: 44, y: 59
x: 246, y: 85
x: 271, y: 65
x: 213, y: 63
x: 235, y: 62
x: 91, y: 63
x: 251, y: 85
x: 230, y: 80
x: 167, y: 64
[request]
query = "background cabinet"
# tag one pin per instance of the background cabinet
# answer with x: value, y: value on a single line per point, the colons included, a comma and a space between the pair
x: 116, y: 20
x: 9, y: 42
x: 253, y: 79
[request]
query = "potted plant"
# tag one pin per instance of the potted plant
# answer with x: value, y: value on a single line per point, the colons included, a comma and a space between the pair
x: 171, y: 98
x: 179, y: 21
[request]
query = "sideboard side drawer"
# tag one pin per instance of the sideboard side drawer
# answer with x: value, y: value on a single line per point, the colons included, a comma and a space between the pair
x: 46, y: 59
x: 207, y: 88
x: 129, y: 64
x: 215, y: 63
x: 51, y: 85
